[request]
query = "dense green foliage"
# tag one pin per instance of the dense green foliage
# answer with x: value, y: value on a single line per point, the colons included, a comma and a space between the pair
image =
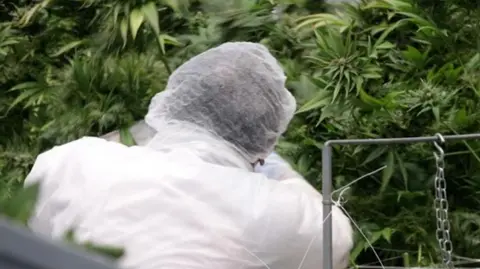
x: 388, y: 68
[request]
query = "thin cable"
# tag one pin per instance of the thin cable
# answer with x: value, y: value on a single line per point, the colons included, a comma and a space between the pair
x: 339, y: 205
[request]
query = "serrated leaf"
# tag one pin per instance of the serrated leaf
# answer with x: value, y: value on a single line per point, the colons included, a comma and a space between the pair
x: 388, y: 171
x: 9, y: 42
x: 371, y: 75
x: 412, y: 54
x: 460, y: 117
x: 369, y: 100
x: 21, y: 206
x: 166, y: 39
x: 124, y: 31
x: 473, y: 63
x: 322, y: 19
x: 112, y: 252
x: 373, y: 238
x: 321, y: 99
x: 173, y: 4
x: 403, y: 170
x: 25, y: 20
x: 387, y: 234
x: 126, y: 137
x: 436, y: 113
x: 151, y: 14
x: 374, y: 155
x: 116, y: 12
x: 136, y: 19
x: 357, y: 249
x: 23, y: 86
x: 29, y: 89
x: 69, y: 236
x: 109, y: 251
x: 304, y: 163
x: 386, y: 45
x: 67, y: 48
x: 161, y: 44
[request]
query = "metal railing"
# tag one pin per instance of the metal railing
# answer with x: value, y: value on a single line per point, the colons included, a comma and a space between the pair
x: 442, y: 217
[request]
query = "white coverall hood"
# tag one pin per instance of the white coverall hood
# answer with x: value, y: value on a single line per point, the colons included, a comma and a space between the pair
x: 234, y: 92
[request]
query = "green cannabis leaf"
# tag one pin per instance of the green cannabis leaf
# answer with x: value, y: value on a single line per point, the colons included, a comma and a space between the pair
x: 108, y: 251
x: 21, y: 206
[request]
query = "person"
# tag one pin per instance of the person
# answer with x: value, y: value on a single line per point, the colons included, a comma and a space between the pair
x: 195, y: 195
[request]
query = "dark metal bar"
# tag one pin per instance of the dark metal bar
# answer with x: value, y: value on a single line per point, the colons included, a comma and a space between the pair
x: 327, y: 176
x: 399, y: 267
x: 21, y: 249
x: 327, y: 206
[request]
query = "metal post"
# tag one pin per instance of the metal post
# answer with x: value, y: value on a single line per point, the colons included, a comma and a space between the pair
x: 327, y: 205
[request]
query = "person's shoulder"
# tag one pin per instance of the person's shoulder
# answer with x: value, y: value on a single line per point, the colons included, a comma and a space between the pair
x: 84, y: 143
x: 90, y: 142
x: 58, y: 152
x: 293, y: 203
x: 72, y: 153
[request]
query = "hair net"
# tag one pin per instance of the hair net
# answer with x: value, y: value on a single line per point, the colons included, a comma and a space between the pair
x: 235, y: 92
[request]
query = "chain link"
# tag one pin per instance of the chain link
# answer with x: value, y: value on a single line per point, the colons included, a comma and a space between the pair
x: 441, y: 207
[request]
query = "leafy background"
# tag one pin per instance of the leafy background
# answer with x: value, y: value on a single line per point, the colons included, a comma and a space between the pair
x: 385, y: 68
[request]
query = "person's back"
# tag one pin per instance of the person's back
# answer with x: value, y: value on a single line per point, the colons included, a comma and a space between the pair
x: 180, y: 215
x: 190, y: 198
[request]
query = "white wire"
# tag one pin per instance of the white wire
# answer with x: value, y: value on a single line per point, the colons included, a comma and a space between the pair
x: 339, y: 205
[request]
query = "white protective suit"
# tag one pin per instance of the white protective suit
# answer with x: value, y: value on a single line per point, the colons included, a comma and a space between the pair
x: 190, y: 198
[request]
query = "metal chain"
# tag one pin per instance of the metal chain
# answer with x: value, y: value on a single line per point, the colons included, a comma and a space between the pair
x: 441, y: 207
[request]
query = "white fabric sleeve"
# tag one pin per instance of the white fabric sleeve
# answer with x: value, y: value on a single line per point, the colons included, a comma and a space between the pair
x: 299, y: 207
x: 307, y: 208
x: 276, y: 168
